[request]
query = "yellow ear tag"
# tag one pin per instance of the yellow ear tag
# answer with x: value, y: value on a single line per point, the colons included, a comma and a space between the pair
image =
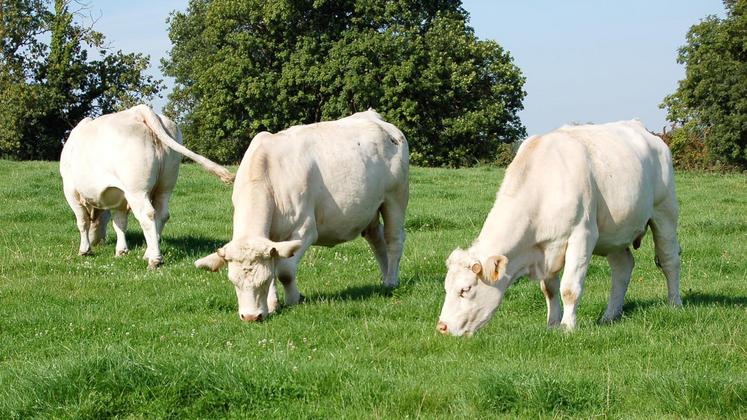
x: 476, y: 268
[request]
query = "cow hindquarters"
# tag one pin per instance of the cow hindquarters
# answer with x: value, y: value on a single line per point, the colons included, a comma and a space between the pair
x: 621, y: 264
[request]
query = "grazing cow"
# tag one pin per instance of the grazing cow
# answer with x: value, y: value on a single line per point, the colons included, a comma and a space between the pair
x: 122, y: 161
x: 577, y: 191
x: 318, y: 184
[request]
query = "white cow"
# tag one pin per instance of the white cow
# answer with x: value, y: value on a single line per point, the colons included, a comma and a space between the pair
x: 122, y: 161
x: 577, y: 191
x: 318, y: 184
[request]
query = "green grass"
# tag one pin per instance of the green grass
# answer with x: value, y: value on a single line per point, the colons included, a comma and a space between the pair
x: 92, y: 337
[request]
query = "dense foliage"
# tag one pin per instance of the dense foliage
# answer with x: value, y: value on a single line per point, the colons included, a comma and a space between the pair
x: 246, y: 66
x: 48, y: 83
x: 710, y: 104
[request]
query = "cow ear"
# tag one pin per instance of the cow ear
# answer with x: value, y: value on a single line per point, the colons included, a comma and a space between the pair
x: 285, y: 249
x: 214, y: 261
x: 494, y: 268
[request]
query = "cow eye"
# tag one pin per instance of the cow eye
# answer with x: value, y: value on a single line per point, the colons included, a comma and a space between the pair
x: 464, y: 291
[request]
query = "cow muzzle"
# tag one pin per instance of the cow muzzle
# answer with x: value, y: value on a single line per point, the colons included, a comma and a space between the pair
x: 251, y: 318
x: 442, y: 328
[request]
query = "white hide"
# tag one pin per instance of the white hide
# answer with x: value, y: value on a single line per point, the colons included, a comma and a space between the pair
x: 568, y: 194
x: 122, y: 161
x: 318, y: 184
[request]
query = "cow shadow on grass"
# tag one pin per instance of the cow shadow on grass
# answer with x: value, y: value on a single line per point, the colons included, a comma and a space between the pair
x: 186, y: 244
x: 708, y: 299
x: 364, y: 292
x: 134, y: 239
x: 689, y: 299
x: 197, y: 245
x: 351, y: 294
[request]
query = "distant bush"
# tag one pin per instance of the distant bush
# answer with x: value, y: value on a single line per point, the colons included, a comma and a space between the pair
x: 689, y: 146
x: 505, y: 153
x: 687, y: 143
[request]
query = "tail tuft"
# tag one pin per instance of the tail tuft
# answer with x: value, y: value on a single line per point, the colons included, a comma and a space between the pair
x: 225, y: 176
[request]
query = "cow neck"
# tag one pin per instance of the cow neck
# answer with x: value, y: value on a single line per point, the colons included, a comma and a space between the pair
x: 254, y: 208
x: 507, y: 232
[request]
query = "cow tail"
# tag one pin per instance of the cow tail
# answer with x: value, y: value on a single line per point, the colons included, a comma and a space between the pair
x: 154, y: 123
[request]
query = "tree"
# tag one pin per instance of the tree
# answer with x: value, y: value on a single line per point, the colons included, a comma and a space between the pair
x: 47, y: 88
x: 246, y: 66
x: 712, y: 99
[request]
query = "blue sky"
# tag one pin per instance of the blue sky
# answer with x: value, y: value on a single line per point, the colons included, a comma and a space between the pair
x: 584, y: 60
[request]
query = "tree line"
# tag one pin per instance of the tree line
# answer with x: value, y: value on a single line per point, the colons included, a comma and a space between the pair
x: 246, y: 66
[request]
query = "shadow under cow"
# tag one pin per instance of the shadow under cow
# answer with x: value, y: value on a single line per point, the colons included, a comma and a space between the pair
x: 194, y: 245
x: 689, y: 299
x: 363, y: 292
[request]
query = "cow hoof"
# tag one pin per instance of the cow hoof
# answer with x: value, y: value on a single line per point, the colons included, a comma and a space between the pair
x: 121, y: 252
x: 85, y: 253
x: 391, y: 285
x: 153, y: 264
x: 290, y: 301
x: 568, y: 329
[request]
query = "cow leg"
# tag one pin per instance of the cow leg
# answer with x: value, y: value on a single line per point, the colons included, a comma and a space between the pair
x: 393, y: 213
x: 82, y: 220
x: 120, y: 228
x: 551, y: 289
x: 144, y: 212
x: 621, y: 265
x: 374, y: 235
x: 161, y: 205
x: 664, y: 230
x: 272, y: 298
x: 285, y: 268
x: 97, y: 230
x: 577, y: 259
x: 287, y: 275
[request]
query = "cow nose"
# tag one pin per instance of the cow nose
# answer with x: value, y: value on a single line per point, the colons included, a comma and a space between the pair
x: 250, y: 318
x: 442, y: 327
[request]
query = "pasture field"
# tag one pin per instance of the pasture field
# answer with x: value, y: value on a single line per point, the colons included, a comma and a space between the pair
x: 99, y: 336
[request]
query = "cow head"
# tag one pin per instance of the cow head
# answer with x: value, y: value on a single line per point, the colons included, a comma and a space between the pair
x: 474, y: 289
x: 251, y: 269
